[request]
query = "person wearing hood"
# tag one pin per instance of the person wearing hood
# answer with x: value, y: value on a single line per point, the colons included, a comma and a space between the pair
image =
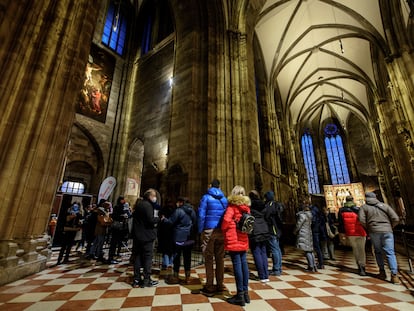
x: 237, y: 243
x: 379, y: 219
x: 182, y: 221
x: 260, y: 236
x: 303, y: 232
x: 210, y: 212
x: 274, y: 217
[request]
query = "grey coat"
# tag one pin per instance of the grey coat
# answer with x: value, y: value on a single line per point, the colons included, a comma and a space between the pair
x: 303, y: 230
x: 378, y: 217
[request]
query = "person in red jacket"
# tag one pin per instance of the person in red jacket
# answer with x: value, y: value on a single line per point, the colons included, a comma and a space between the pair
x: 355, y: 232
x: 237, y: 243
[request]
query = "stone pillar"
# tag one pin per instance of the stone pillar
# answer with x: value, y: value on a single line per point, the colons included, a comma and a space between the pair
x: 44, y: 50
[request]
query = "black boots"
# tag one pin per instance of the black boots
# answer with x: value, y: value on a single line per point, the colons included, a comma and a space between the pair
x: 238, y: 299
x: 246, y: 297
x: 362, y: 271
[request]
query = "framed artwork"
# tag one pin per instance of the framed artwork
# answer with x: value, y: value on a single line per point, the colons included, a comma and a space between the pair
x: 94, y: 95
x: 335, y: 195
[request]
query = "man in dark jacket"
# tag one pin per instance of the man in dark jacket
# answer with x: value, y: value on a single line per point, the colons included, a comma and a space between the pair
x: 144, y: 234
x: 210, y: 212
x: 318, y: 233
x: 273, y: 216
x: 379, y: 219
x: 118, y: 227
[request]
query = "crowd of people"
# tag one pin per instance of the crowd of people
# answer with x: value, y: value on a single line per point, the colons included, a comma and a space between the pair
x: 216, y: 222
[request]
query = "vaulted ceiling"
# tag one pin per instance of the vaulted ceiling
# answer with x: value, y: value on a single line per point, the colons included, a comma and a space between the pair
x: 317, y: 53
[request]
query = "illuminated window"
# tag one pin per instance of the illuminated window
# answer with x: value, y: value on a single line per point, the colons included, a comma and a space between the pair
x: 73, y: 187
x: 115, y: 28
x: 336, y: 155
x: 310, y: 164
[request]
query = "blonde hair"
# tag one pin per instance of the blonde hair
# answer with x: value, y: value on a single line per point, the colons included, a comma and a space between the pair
x: 238, y: 190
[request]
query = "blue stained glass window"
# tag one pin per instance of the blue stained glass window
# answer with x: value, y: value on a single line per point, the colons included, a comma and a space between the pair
x: 310, y: 163
x: 115, y: 28
x: 336, y: 156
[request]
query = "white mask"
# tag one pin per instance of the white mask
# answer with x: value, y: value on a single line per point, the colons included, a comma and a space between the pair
x: 153, y: 199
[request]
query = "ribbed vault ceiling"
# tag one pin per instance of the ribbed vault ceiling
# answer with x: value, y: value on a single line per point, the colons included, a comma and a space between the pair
x: 318, y: 54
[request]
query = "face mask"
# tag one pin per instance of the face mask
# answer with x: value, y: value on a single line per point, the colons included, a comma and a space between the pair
x: 153, y: 199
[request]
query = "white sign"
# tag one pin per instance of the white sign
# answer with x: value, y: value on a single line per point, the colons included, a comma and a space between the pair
x: 106, y: 188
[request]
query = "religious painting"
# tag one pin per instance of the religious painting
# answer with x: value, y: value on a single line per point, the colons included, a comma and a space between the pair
x: 335, y: 195
x: 94, y: 95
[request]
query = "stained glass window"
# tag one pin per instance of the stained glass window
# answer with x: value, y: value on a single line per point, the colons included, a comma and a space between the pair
x: 338, y: 167
x: 115, y: 28
x: 310, y: 163
x: 73, y: 187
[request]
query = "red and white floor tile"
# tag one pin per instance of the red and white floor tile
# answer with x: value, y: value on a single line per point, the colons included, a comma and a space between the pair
x: 79, y: 285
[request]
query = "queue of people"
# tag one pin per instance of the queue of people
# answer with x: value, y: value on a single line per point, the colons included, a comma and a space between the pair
x: 217, y: 222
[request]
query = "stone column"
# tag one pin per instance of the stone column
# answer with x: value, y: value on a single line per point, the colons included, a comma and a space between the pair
x: 44, y: 50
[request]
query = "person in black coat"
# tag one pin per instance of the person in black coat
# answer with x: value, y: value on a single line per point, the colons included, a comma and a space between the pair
x: 260, y: 236
x: 318, y: 233
x: 145, y: 220
x: 118, y: 228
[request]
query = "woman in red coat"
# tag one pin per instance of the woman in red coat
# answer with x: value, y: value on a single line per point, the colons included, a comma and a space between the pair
x: 237, y: 243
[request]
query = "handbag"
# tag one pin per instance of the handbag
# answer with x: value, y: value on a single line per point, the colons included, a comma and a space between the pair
x: 104, y: 220
x: 331, y: 234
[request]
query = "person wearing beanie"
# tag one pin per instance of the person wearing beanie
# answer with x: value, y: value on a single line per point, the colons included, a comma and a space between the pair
x: 210, y: 211
x: 349, y: 225
x: 379, y: 219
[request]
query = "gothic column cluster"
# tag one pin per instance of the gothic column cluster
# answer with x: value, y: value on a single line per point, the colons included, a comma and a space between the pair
x: 43, y: 54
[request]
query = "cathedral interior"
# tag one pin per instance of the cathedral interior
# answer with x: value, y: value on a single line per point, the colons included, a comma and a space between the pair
x: 281, y: 95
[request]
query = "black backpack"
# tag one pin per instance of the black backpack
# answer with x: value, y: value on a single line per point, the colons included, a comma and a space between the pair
x: 245, y: 224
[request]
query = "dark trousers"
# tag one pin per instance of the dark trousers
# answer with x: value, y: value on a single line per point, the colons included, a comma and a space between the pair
x: 186, y: 251
x: 68, y: 240
x: 317, y: 247
x: 116, y: 240
x: 143, y: 259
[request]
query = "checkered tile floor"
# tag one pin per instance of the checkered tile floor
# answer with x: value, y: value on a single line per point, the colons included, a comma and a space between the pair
x: 82, y: 286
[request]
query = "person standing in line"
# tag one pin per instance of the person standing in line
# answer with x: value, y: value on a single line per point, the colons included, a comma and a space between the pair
x: 145, y: 220
x: 304, y: 239
x: 118, y: 227
x: 210, y: 213
x: 182, y: 221
x: 166, y: 236
x: 318, y: 233
x: 349, y: 224
x: 273, y: 215
x: 260, y: 236
x: 328, y: 245
x: 379, y: 219
x: 237, y: 243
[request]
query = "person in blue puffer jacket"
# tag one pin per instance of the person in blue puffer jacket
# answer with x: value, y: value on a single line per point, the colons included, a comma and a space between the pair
x: 210, y: 213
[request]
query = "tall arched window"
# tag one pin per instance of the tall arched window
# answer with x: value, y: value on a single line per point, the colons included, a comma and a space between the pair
x: 310, y: 164
x: 336, y: 155
x: 115, y: 28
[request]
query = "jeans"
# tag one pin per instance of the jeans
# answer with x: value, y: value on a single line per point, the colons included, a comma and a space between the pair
x: 384, y: 242
x: 241, y: 271
x: 97, y: 246
x: 167, y: 260
x: 213, y: 249
x: 273, y: 243
x: 358, y: 249
x: 260, y: 259
x: 317, y: 248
